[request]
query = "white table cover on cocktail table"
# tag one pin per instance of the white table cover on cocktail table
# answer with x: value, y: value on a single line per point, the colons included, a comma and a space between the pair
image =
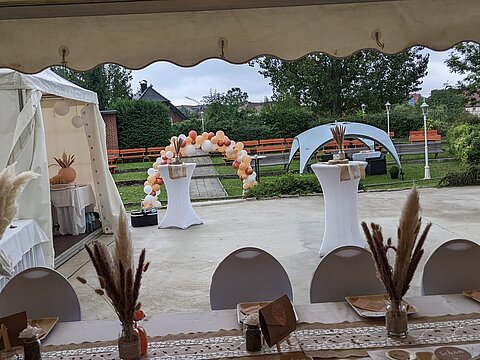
x: 180, y: 211
x: 23, y: 246
x: 341, y: 213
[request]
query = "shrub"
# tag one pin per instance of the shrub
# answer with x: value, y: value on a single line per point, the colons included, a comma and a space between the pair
x: 464, y: 143
x: 183, y: 127
x: 462, y: 177
x: 288, y: 184
x: 394, y: 171
x: 142, y: 123
x: 286, y: 122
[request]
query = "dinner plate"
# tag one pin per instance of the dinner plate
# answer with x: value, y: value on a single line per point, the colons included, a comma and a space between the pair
x: 473, y: 294
x: 246, y: 308
x: 46, y: 324
x: 373, y: 305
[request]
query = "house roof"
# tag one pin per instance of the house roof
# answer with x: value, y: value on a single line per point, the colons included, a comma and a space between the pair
x: 153, y: 95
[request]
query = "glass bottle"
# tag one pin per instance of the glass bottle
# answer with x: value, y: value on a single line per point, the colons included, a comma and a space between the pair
x: 31, y: 349
x: 253, y: 337
x: 396, y: 320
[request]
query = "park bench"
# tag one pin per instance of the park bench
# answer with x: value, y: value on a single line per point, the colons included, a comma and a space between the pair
x: 112, y: 156
x: 434, y: 147
x: 154, y: 152
x: 419, y: 136
x: 128, y: 154
x: 288, y: 143
x: 250, y: 145
x: 262, y: 149
x: 391, y: 134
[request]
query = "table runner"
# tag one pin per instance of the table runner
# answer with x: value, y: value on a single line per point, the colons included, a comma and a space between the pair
x: 351, y: 171
x: 317, y: 340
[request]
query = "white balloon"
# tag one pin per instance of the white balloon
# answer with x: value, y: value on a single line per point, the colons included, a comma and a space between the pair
x: 61, y: 108
x: 151, y: 171
x: 157, y: 204
x: 189, y: 150
x: 207, y: 146
x: 214, y: 147
x: 232, y: 144
x: 182, y: 136
x: 243, y: 153
x: 147, y: 189
x: 159, y: 160
x: 229, y: 150
x: 148, y: 199
x: 77, y: 122
x: 169, y: 154
x: 240, y: 157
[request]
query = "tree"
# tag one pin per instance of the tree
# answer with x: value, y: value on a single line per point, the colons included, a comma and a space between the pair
x: 111, y: 82
x: 335, y: 86
x: 465, y: 60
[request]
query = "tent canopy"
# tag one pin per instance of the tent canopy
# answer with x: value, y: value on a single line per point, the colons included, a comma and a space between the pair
x: 31, y: 134
x: 134, y: 33
x: 311, y: 140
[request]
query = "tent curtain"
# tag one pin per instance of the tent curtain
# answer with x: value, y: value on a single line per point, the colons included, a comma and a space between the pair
x: 135, y: 33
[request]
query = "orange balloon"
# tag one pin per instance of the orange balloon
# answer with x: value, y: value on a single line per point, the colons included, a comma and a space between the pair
x: 156, y: 187
x: 244, y: 176
x: 192, y: 134
x: 162, y: 153
x: 249, y: 171
x: 247, y: 159
x: 169, y: 148
x: 240, y: 172
x: 155, y: 166
x: 220, y: 134
x: 242, y: 166
x: 221, y: 148
x: 205, y: 136
x: 199, y: 140
x: 214, y: 140
x: 151, y: 179
x: 188, y: 140
x: 239, y: 146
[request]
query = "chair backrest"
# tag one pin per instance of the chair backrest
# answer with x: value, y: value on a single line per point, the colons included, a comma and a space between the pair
x: 452, y: 268
x: 345, y: 271
x: 247, y: 275
x: 41, y: 292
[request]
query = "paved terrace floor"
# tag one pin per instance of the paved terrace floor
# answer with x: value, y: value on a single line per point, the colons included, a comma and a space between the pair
x: 291, y: 229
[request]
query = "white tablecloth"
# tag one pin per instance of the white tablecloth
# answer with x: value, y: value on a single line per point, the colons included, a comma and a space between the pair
x: 366, y: 155
x: 69, y: 208
x: 23, y: 245
x: 180, y: 212
x: 177, y: 323
x: 341, y: 213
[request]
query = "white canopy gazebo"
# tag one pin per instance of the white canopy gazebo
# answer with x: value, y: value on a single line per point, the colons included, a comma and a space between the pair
x: 311, y: 140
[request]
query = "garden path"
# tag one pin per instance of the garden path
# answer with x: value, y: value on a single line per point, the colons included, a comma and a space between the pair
x: 204, y: 188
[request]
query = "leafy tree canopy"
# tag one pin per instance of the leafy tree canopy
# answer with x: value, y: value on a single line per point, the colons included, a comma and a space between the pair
x: 111, y: 82
x: 335, y: 86
x: 465, y: 60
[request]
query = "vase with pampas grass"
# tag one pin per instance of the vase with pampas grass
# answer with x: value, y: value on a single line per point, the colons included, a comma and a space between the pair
x: 120, y: 280
x: 338, y: 133
x: 409, y: 250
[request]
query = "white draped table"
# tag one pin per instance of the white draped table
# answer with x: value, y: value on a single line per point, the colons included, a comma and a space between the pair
x: 69, y: 207
x: 341, y: 213
x: 180, y: 211
x: 23, y: 246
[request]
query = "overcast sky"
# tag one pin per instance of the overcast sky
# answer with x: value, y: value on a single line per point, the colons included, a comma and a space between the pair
x: 175, y: 82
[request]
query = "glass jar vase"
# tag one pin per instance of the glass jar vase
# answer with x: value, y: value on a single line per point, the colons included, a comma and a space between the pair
x: 129, y: 343
x: 396, y: 321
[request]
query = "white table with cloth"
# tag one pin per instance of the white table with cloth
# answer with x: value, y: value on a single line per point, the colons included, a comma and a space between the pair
x: 180, y: 211
x: 364, y: 155
x: 23, y: 246
x: 69, y: 206
x: 340, y: 186
x: 325, y: 330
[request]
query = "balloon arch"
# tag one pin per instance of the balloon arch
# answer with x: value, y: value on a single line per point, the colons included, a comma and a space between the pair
x: 208, y: 142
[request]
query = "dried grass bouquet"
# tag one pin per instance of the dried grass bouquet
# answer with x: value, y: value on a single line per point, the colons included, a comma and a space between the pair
x: 338, y: 133
x: 408, y: 251
x: 118, y: 276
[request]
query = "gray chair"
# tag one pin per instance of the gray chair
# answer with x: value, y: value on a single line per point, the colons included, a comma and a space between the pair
x: 452, y: 268
x: 345, y: 271
x: 41, y: 292
x: 247, y: 275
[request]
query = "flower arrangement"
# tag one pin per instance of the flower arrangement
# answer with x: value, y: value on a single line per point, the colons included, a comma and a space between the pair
x: 10, y: 187
x: 119, y: 278
x: 338, y: 133
x: 397, y: 277
x: 66, y: 173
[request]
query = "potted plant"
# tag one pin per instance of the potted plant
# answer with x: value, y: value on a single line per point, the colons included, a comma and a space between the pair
x: 394, y: 171
x: 66, y: 172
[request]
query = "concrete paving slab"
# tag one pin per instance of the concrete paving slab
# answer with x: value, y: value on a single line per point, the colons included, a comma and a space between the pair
x: 291, y: 229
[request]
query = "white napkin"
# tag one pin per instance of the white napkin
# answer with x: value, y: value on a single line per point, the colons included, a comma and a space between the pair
x: 5, y: 264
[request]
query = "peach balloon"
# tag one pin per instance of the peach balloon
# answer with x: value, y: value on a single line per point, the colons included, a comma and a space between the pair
x: 151, y: 179
x: 242, y: 166
x: 156, y: 187
x: 162, y: 153
x: 239, y: 146
x: 188, y: 140
x: 210, y: 135
x: 214, y: 140
x: 146, y: 183
x: 221, y: 148
x: 155, y: 166
x: 205, y: 136
x: 220, y: 134
x: 247, y: 159
x: 199, y: 140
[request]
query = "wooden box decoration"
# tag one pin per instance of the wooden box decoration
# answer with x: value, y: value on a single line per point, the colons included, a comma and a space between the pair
x: 277, y: 321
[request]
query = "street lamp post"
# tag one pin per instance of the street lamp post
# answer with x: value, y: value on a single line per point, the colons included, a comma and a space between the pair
x: 201, y: 111
x: 424, y: 108
x: 388, y: 106
x: 363, y: 106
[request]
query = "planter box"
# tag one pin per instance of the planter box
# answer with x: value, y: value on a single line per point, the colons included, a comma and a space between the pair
x: 144, y: 218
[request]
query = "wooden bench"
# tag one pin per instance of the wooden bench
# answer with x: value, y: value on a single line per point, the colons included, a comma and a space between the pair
x: 391, y: 134
x: 288, y: 143
x: 419, y: 136
x: 112, y: 156
x: 128, y: 154
x: 154, y: 152
x: 250, y: 145
x: 434, y: 147
x: 262, y: 149
x: 277, y: 141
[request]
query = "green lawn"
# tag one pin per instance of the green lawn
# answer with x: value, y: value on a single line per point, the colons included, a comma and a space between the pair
x: 141, y: 175
x: 135, y: 194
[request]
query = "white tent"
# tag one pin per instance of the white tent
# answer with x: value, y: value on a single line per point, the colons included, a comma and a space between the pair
x: 31, y: 134
x: 134, y: 33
